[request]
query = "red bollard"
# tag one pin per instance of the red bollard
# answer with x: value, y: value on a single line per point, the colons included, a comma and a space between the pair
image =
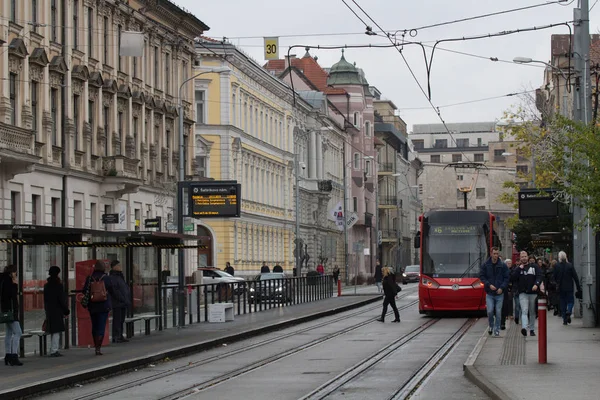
x: 339, y: 288
x: 543, y: 332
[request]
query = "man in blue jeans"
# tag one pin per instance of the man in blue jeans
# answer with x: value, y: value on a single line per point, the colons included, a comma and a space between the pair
x: 494, y: 275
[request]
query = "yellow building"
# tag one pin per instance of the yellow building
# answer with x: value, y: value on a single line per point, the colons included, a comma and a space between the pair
x: 246, y: 122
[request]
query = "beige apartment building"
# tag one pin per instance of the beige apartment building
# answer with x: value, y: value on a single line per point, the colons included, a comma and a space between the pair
x: 83, y: 130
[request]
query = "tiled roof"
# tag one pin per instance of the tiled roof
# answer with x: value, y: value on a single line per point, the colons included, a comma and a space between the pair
x: 560, y: 46
x: 310, y: 68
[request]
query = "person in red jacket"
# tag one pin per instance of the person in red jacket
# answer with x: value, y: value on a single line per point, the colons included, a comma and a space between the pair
x: 321, y: 269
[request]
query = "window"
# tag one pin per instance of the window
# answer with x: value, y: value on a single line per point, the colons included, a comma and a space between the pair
x: 78, y: 214
x: 480, y: 193
x: 75, y: 23
x: 233, y: 111
x: 462, y: 142
x: 456, y: 157
x: 54, y: 20
x: 135, y: 67
x: 107, y: 210
x: 355, y: 204
x: 36, y: 210
x: 106, y: 129
x: 199, y: 98
x: 135, y: 135
x: 34, y: 14
x: 156, y: 67
x: 522, y: 169
x: 459, y: 177
x: 435, y: 158
x: 119, y: 63
x: 478, y: 157
x: 91, y: 113
x: 55, y: 204
x: 499, y: 152
x: 54, y: 115
x: 34, y: 105
x: 441, y: 143
x: 368, y: 168
x: 356, y: 161
x: 167, y: 73
x: 356, y: 119
x: 119, y: 131
x: 90, y: 29
x: 479, y: 142
x: 76, y: 121
x: 15, y: 207
x: 13, y: 98
x: 459, y: 194
x: 13, y: 11
x: 105, y: 40
x: 93, y: 215
x: 168, y: 139
x: 367, y: 128
x: 418, y: 144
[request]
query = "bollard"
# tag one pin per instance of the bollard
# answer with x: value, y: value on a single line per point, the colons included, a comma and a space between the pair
x: 543, y: 333
x: 339, y: 282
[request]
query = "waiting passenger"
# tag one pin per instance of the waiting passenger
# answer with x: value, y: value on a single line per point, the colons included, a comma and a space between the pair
x: 55, y: 305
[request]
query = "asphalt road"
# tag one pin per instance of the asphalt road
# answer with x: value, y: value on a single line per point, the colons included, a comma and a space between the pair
x: 358, y: 357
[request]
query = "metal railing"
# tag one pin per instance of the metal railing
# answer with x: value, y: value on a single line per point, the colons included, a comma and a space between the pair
x: 388, y: 200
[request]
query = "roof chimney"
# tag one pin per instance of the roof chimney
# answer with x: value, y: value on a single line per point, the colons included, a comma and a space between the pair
x: 287, y: 60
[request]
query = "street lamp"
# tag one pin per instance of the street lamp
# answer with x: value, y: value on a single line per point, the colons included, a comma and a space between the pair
x: 526, y: 60
x: 181, y: 255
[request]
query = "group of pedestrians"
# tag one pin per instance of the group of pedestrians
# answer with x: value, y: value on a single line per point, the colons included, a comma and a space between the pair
x: 521, y: 285
x: 102, y: 293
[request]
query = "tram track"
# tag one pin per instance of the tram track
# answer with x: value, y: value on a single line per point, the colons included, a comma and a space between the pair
x: 243, y: 370
x: 411, y: 385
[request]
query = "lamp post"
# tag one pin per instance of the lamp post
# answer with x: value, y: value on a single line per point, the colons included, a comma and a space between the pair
x: 181, y: 254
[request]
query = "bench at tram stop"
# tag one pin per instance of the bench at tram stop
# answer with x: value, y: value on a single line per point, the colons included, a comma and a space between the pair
x: 129, y: 323
x: 42, y: 337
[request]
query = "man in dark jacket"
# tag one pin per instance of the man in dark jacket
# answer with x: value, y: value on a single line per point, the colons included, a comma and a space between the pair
x: 120, y: 303
x: 565, y: 275
x: 527, y: 278
x: 229, y: 269
x: 494, y: 275
x: 55, y: 305
x: 378, y: 276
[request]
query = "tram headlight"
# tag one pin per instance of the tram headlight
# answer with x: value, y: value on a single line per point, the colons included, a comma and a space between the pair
x: 430, y: 283
x: 477, y: 284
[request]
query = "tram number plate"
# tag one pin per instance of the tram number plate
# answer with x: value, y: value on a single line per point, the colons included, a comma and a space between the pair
x: 455, y: 280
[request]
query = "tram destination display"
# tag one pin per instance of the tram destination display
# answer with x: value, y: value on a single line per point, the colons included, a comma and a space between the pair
x: 453, y: 230
x: 215, y: 199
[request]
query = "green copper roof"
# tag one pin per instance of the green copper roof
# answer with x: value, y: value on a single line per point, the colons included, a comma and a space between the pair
x: 344, y: 73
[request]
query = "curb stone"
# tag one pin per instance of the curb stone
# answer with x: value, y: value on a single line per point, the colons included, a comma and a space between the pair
x: 476, y: 377
x: 106, y: 370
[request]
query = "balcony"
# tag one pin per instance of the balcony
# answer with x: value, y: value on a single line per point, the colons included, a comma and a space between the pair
x: 17, y: 150
x: 389, y: 235
x: 121, y: 176
x: 387, y: 201
x: 385, y: 168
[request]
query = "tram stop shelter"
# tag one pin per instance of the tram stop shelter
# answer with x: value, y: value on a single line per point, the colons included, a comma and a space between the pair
x: 34, y: 248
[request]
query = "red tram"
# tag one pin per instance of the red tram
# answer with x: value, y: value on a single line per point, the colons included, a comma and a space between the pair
x: 453, y: 245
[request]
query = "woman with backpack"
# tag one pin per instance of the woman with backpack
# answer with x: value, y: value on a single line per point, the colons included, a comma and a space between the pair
x: 97, y: 292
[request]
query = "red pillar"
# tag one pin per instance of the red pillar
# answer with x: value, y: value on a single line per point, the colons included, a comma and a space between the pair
x: 339, y: 282
x: 543, y: 332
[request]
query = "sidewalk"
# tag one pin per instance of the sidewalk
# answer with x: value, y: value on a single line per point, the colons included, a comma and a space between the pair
x: 507, y: 367
x: 41, y: 374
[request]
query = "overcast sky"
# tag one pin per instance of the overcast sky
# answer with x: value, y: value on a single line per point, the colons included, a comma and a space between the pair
x: 455, y: 78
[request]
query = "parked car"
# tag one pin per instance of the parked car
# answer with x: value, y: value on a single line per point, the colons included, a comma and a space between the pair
x: 272, y: 286
x: 222, y: 281
x: 411, y: 273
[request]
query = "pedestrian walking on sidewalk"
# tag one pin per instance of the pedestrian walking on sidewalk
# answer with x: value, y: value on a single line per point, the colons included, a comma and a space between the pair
x: 507, y: 301
x: 100, y: 288
x: 120, y: 303
x: 9, y: 305
x: 528, y: 278
x: 229, y: 269
x: 55, y: 305
x: 495, y: 276
x: 565, y: 275
x: 390, y: 290
x: 336, y: 274
x: 378, y: 276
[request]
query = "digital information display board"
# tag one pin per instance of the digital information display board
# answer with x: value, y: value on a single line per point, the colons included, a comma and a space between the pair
x: 536, y: 203
x: 214, y: 199
x: 453, y: 230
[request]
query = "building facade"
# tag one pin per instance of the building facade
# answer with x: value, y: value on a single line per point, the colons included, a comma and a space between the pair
x: 260, y: 134
x: 85, y: 131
